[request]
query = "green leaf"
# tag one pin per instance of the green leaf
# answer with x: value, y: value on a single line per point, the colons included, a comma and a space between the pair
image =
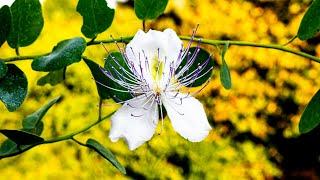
x: 63, y: 54
x: 21, y: 137
x: 225, y: 76
x: 97, y: 16
x: 32, y: 123
x: 5, y: 19
x: 99, y: 77
x: 311, y: 115
x: 13, y: 87
x: 107, y: 154
x: 149, y: 9
x: 310, y: 24
x: 9, y: 148
x: 27, y: 23
x: 116, y: 63
x: 3, y: 69
x: 202, y: 57
x: 53, y: 78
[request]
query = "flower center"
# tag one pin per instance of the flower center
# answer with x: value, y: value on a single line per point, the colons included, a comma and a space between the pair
x: 157, y: 67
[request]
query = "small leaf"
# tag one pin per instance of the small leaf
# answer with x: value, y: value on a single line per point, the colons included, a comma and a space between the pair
x: 99, y: 77
x: 311, y: 115
x: 22, y: 137
x: 203, y: 60
x: 13, y: 87
x: 7, y: 147
x: 310, y: 24
x: 225, y: 76
x: 27, y: 23
x: 149, y: 9
x: 3, y: 69
x: 116, y: 63
x: 63, y: 54
x: 97, y: 16
x: 5, y: 19
x: 53, y: 78
x: 107, y: 154
x: 32, y: 123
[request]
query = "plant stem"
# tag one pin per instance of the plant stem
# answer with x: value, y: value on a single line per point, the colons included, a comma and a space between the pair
x: 78, y: 142
x: 204, y: 41
x: 245, y: 43
x: 144, y: 25
x: 57, y: 139
x: 69, y: 136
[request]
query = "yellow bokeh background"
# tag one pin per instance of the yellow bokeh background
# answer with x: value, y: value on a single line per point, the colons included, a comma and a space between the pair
x: 261, y: 79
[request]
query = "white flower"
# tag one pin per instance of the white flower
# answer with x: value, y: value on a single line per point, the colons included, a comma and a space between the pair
x: 113, y: 3
x: 153, y: 58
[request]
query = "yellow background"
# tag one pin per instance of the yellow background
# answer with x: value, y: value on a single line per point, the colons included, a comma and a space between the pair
x: 169, y: 156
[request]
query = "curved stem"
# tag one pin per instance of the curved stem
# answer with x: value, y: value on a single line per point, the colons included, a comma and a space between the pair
x: 57, y: 139
x: 69, y: 136
x: 245, y: 43
x: 204, y: 41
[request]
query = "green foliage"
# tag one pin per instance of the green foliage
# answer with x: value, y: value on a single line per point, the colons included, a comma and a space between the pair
x: 13, y: 87
x: 99, y: 77
x: 28, y: 135
x: 53, y: 77
x: 115, y: 63
x: 149, y: 9
x: 3, y: 69
x: 32, y: 123
x: 63, y: 54
x: 311, y: 115
x: 107, y: 154
x: 27, y: 23
x: 201, y: 58
x: 310, y: 24
x: 225, y: 76
x: 21, y: 137
x: 97, y: 16
x: 5, y: 19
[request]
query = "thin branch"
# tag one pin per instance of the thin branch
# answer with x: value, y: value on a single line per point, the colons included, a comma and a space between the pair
x: 204, y: 41
x: 144, y: 25
x: 78, y: 142
x: 58, y: 139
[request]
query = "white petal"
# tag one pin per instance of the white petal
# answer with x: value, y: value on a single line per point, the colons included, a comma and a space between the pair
x: 135, y: 121
x: 6, y: 2
x: 112, y: 4
x: 187, y: 116
x: 146, y: 45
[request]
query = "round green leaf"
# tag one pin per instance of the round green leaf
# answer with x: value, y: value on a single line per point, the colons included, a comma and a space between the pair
x: 116, y: 63
x: 63, y: 54
x: 53, y: 78
x: 201, y: 58
x: 97, y: 16
x: 5, y: 19
x: 310, y: 24
x: 13, y: 87
x: 21, y: 137
x: 106, y: 153
x: 3, y: 69
x: 149, y: 9
x: 311, y: 115
x: 27, y: 23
